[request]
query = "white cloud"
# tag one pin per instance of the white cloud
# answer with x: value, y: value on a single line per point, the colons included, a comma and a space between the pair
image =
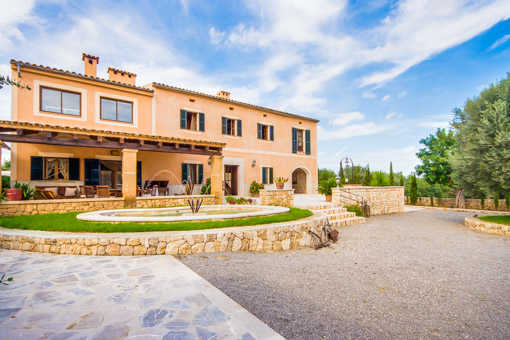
x: 500, y: 41
x: 345, y: 118
x: 412, y: 32
x: 216, y: 36
x: 390, y: 115
x: 352, y: 130
x: 385, y: 98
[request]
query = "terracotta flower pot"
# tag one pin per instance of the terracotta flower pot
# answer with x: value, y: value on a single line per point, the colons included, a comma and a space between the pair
x: 279, y: 185
x: 13, y: 194
x: 328, y: 198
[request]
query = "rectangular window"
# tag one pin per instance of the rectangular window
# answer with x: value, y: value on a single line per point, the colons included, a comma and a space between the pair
x: 265, y: 132
x: 116, y: 110
x: 193, y: 172
x: 231, y: 127
x: 55, y: 168
x: 60, y: 101
x: 267, y: 175
x: 300, y: 140
x: 194, y: 121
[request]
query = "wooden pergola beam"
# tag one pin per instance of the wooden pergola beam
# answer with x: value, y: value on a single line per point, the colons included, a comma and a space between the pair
x: 49, y: 139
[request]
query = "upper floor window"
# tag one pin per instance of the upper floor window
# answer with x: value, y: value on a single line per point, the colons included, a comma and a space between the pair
x: 265, y: 131
x: 301, y: 141
x: 192, y: 120
x: 116, y: 110
x: 232, y: 127
x: 60, y: 101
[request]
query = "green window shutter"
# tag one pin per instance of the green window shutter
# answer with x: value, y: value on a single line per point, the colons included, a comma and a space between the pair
x: 307, y: 142
x: 36, y: 168
x: 270, y: 175
x: 201, y: 121
x: 294, y: 140
x: 139, y: 173
x: 183, y: 119
x: 74, y: 169
x: 259, y: 131
x: 271, y: 132
x: 239, y: 128
x: 184, y: 173
x: 224, y: 125
x: 264, y: 175
x: 200, y: 173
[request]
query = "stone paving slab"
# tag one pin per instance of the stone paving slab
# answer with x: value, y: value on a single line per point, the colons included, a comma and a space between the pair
x: 77, y: 297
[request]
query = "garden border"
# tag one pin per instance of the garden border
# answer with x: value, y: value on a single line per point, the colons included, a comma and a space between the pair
x: 486, y: 227
x: 261, y: 238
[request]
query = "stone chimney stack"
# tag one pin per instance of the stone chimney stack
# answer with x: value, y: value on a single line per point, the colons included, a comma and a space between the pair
x: 223, y: 94
x: 90, y: 64
x: 121, y: 76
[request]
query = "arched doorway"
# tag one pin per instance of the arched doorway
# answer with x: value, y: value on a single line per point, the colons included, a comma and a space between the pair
x: 299, y: 181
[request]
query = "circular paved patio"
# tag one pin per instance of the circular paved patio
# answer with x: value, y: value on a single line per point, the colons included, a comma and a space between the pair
x: 420, y: 274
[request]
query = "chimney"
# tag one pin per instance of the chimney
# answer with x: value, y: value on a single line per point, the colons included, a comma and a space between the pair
x: 121, y: 76
x: 223, y: 94
x: 90, y: 64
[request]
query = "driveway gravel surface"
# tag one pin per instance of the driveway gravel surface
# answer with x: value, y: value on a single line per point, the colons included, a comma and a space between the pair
x: 419, y: 274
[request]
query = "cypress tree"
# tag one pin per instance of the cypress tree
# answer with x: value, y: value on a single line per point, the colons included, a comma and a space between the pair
x: 402, y: 180
x: 392, y: 176
x: 368, y: 177
x: 413, y: 189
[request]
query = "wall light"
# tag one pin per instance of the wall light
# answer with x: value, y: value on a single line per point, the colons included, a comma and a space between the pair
x: 253, y: 163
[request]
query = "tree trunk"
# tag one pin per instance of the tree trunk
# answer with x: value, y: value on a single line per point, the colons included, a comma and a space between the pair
x: 459, y: 199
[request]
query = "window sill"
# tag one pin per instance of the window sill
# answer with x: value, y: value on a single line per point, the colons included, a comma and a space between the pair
x: 192, y: 131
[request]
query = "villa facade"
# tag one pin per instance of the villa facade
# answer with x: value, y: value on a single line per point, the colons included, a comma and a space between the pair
x: 78, y: 129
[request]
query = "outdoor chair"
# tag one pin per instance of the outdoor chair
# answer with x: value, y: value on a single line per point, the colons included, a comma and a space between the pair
x: 89, y: 191
x: 103, y: 191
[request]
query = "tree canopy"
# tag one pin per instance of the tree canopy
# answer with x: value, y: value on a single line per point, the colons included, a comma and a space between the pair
x: 482, y: 157
x: 435, y: 156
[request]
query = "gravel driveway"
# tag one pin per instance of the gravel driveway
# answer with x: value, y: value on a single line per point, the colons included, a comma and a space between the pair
x: 419, y: 274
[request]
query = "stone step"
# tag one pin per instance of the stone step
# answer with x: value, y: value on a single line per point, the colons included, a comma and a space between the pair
x: 333, y: 210
x: 348, y: 221
x: 340, y: 216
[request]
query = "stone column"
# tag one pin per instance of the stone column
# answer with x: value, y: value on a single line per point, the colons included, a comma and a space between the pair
x: 129, y: 177
x: 217, y: 178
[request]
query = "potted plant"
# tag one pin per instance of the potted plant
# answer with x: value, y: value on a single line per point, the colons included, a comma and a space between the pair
x: 255, y: 187
x: 325, y: 187
x: 280, y: 182
x: 13, y: 194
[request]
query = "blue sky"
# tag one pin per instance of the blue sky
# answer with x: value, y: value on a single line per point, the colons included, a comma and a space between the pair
x: 380, y: 75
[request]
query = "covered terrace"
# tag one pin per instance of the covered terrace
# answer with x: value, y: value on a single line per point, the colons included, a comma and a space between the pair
x: 127, y: 144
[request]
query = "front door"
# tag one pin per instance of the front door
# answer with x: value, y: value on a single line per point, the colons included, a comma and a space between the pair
x: 230, y: 179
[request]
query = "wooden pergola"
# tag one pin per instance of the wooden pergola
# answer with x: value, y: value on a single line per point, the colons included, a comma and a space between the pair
x: 128, y: 143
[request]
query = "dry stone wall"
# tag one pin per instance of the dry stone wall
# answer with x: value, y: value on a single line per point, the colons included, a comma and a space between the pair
x: 33, y: 207
x: 486, y: 227
x: 279, y: 197
x: 470, y: 203
x: 264, y: 238
x: 382, y: 200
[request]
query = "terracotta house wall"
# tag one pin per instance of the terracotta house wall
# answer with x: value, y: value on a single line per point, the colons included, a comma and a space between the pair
x: 158, y: 113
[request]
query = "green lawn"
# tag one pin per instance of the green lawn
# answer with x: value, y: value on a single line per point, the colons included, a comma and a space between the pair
x: 500, y: 219
x: 69, y: 222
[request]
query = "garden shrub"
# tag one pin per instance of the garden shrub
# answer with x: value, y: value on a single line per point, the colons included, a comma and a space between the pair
x: 355, y: 208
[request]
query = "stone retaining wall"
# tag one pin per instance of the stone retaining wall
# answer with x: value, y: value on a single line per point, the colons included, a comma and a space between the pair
x: 33, y: 207
x: 486, y: 227
x: 263, y: 238
x: 279, y: 197
x: 470, y: 203
x: 382, y: 200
